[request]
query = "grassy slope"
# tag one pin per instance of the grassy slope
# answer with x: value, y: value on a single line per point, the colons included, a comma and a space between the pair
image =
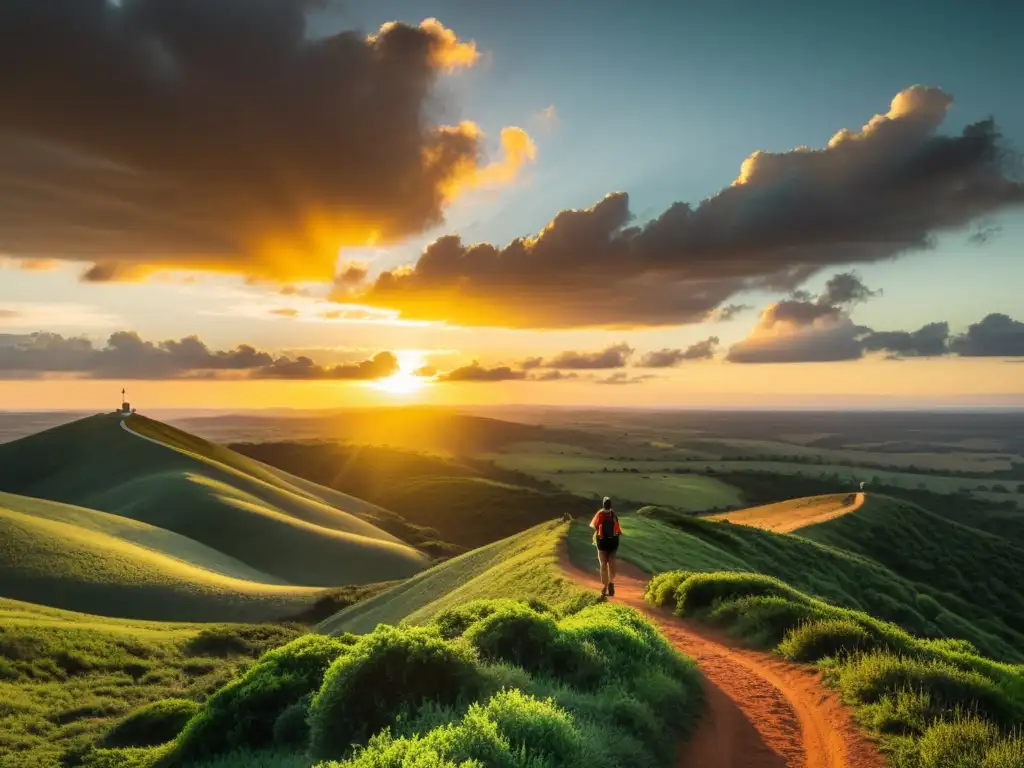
x: 519, y: 567
x: 982, y: 569
x: 65, y: 677
x: 666, y: 540
x: 460, y: 501
x: 90, y: 561
x: 296, y: 537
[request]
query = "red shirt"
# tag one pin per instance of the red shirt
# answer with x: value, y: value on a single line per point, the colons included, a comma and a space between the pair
x: 599, y: 518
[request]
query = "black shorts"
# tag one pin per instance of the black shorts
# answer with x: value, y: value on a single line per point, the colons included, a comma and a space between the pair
x: 608, y: 545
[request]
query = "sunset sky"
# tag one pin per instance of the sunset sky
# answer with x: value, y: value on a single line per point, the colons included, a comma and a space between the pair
x: 287, y: 203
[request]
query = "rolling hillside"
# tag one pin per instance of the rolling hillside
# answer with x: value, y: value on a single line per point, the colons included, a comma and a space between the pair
x: 981, y: 569
x: 284, y: 527
x: 83, y: 560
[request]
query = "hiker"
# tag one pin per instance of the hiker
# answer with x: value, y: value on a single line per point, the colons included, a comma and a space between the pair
x: 606, y: 537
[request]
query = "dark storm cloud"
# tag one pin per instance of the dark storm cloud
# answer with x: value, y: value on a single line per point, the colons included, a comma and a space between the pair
x: 928, y: 341
x: 477, y: 372
x: 615, y: 356
x: 382, y: 365
x: 127, y: 355
x: 996, y: 335
x: 870, y: 195
x: 215, y: 134
x: 668, y: 358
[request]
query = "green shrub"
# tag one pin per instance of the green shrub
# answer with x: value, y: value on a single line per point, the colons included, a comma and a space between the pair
x: 960, y: 744
x: 517, y: 635
x: 826, y: 637
x: 387, y: 673
x: 291, y: 729
x: 1008, y: 753
x: 242, y: 713
x: 703, y: 590
x: 240, y: 639
x: 154, y: 724
x: 661, y: 589
x: 537, y: 728
x: 867, y: 678
x: 763, y: 619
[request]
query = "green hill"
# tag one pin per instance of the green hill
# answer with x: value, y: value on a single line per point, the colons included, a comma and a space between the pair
x: 278, y: 525
x: 93, y: 562
x: 659, y: 540
x: 520, y: 566
x: 462, y: 501
x: 980, y: 568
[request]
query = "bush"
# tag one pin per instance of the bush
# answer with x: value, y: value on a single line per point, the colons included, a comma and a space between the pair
x: 661, y: 589
x: 291, y: 729
x: 829, y: 637
x: 154, y: 724
x: 762, y: 619
x: 702, y: 590
x: 961, y: 744
x: 240, y: 639
x: 867, y: 678
x: 388, y: 673
x: 242, y: 714
x: 517, y: 635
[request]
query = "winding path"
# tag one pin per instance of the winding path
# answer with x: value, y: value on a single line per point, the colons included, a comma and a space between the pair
x: 762, y: 711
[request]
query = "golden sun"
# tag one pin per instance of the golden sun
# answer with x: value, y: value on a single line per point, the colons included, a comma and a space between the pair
x: 405, y: 381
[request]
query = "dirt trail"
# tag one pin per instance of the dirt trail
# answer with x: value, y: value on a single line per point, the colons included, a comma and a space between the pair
x: 762, y: 711
x: 790, y: 516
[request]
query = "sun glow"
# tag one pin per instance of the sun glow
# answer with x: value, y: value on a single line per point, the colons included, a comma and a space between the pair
x: 407, y: 381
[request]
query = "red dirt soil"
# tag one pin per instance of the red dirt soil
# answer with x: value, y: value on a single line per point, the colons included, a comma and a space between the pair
x: 762, y: 711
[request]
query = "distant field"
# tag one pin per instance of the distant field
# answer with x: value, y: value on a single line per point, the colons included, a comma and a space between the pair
x: 685, y: 492
x: 965, y: 461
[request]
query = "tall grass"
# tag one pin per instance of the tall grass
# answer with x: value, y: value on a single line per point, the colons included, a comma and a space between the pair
x: 933, y: 703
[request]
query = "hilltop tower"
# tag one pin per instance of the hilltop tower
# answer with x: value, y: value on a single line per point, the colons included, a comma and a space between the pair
x: 126, y: 407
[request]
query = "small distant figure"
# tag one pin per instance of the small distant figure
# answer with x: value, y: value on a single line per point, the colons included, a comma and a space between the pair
x: 862, y: 484
x: 566, y: 517
x: 606, y: 538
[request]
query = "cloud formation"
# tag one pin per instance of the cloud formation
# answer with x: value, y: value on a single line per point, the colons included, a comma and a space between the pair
x: 669, y: 358
x: 930, y: 340
x: 808, y: 329
x: 820, y: 329
x: 476, y: 372
x: 869, y: 195
x: 615, y: 356
x: 380, y: 366
x: 218, y: 135
x: 996, y: 335
x: 127, y: 356
x: 621, y: 377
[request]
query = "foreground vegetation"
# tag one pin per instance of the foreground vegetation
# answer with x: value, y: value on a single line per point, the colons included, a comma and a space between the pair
x: 933, y: 703
x: 68, y: 679
x: 510, y: 682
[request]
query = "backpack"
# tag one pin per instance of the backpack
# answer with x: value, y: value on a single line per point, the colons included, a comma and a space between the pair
x: 607, y: 527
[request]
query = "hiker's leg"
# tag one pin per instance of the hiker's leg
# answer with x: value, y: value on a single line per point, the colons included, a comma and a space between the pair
x: 613, y: 560
x: 602, y: 558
